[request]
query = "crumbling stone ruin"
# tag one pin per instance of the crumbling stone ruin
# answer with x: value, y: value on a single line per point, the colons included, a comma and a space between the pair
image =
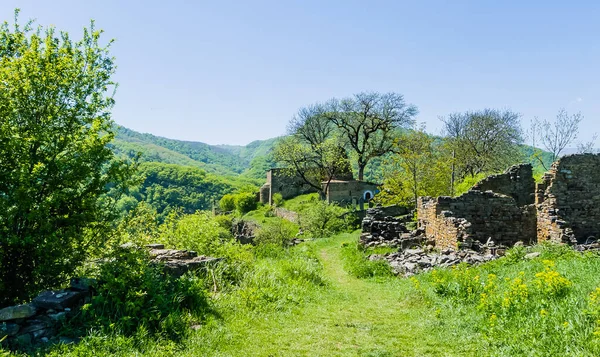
x: 279, y: 181
x: 499, y: 208
x: 498, y: 212
x: 568, y: 201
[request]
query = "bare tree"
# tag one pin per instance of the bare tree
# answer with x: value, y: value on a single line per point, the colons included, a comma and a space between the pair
x: 368, y: 123
x: 557, y: 135
x: 588, y: 147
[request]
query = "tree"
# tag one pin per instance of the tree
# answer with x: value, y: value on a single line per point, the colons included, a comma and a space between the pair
x: 417, y: 168
x: 312, y: 151
x: 368, y: 123
x: 483, y: 141
x: 557, y: 135
x: 55, y: 166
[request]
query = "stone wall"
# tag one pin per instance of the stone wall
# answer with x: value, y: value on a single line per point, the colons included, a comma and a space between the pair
x: 278, y: 181
x: 476, y: 217
x: 569, y: 200
x: 516, y: 182
x: 499, y: 208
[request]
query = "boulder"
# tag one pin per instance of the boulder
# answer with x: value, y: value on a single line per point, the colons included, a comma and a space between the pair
x: 17, y: 312
x: 58, y: 300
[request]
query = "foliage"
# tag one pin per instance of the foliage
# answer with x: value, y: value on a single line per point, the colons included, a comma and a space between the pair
x: 251, y: 160
x: 322, y: 219
x: 168, y: 187
x: 279, y: 233
x: 204, y: 233
x: 419, y: 167
x: 277, y: 199
x: 227, y: 203
x: 470, y: 136
x: 245, y: 202
x: 55, y: 167
x: 368, y: 123
x: 135, y: 295
x: 544, y: 306
x: 357, y: 263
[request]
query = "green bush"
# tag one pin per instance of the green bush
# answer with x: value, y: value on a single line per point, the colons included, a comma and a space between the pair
x: 227, y: 203
x: 357, y: 263
x: 280, y: 232
x: 245, y: 202
x: 133, y: 294
x: 278, y: 199
x: 205, y: 234
x: 321, y: 219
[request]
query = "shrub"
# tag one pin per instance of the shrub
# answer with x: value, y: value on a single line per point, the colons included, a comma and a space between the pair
x: 278, y: 199
x: 357, y: 263
x: 322, y: 219
x: 134, y: 294
x: 227, y: 203
x: 279, y: 233
x: 245, y: 202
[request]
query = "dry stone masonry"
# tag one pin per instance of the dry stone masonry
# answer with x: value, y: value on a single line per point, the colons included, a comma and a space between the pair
x: 498, y: 212
x: 569, y: 200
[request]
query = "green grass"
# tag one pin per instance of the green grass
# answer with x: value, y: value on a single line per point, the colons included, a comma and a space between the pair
x: 297, y: 203
x: 303, y: 303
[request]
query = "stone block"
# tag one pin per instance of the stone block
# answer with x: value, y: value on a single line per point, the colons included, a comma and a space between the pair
x: 58, y: 300
x: 17, y: 312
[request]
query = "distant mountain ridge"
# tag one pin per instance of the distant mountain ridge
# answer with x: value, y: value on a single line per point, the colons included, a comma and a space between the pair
x: 250, y: 161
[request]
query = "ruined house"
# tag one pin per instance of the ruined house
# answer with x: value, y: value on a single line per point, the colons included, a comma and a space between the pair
x: 343, y: 189
x: 507, y: 208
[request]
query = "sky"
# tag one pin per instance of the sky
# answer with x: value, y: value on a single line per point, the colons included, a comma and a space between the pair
x: 231, y: 72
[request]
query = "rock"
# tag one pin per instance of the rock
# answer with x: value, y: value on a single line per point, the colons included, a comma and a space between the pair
x: 532, y: 255
x: 45, y: 339
x: 196, y: 327
x: 60, y: 316
x: 57, y: 300
x: 23, y: 339
x: 8, y: 329
x: 17, y: 312
x: 155, y: 246
x: 83, y: 284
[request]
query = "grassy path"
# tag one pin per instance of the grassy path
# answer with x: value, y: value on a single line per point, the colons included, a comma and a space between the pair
x: 352, y: 317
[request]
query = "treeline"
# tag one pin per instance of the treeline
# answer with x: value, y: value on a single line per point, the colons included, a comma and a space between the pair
x: 376, y: 136
x: 169, y: 187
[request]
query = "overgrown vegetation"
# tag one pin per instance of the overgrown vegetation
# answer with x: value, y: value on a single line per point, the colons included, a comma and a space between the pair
x: 546, y: 306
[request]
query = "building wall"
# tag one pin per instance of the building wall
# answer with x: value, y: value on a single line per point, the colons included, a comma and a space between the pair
x: 569, y: 200
x: 288, y: 186
x: 344, y: 192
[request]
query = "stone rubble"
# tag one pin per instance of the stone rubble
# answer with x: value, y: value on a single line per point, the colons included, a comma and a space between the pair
x: 412, y: 261
x: 178, y: 262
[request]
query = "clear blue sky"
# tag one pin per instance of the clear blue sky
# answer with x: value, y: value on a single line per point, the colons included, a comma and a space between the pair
x: 236, y: 71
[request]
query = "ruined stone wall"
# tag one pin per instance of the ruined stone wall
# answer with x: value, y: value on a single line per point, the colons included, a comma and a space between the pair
x: 569, y: 200
x: 288, y: 186
x: 516, y: 182
x: 476, y: 217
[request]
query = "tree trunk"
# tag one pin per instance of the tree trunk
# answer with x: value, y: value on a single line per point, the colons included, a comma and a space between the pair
x: 361, y: 171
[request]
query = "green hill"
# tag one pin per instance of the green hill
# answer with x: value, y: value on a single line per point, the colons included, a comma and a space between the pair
x: 250, y: 161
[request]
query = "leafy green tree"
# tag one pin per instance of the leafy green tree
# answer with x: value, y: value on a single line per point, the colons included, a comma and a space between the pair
x: 312, y: 151
x: 418, y: 168
x: 483, y: 141
x: 245, y: 202
x: 227, y: 203
x: 368, y: 122
x: 322, y: 219
x: 55, y: 166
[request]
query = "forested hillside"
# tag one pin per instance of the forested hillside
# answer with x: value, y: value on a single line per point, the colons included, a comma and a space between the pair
x: 228, y: 160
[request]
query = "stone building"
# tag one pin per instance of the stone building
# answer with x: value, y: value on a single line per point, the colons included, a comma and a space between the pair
x: 347, y: 192
x: 279, y: 181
